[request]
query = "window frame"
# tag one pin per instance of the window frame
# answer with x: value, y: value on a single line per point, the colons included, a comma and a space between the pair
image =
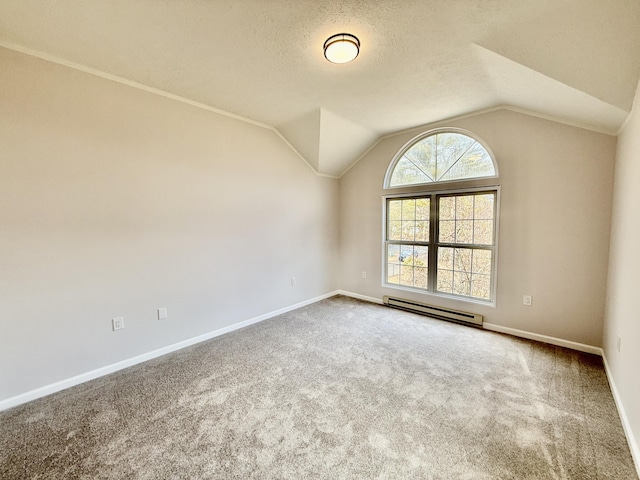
x: 398, y: 156
x: 434, y: 190
x: 434, y: 194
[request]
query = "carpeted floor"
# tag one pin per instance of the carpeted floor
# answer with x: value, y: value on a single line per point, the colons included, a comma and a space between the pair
x: 340, y: 389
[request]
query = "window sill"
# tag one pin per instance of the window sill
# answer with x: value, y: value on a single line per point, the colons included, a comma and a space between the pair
x: 458, y: 298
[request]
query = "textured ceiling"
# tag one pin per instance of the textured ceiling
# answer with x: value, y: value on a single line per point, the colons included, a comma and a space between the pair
x: 420, y: 62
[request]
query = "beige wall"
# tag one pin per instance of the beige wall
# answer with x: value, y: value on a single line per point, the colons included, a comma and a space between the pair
x: 622, y: 314
x: 556, y: 189
x: 114, y: 201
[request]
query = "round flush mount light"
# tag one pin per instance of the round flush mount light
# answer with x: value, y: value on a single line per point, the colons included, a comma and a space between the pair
x: 341, y: 48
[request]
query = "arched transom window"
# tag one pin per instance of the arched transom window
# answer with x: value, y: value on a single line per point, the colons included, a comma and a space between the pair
x: 441, y: 157
x: 437, y: 240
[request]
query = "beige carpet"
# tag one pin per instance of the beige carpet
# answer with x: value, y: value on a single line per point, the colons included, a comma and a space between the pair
x: 340, y: 389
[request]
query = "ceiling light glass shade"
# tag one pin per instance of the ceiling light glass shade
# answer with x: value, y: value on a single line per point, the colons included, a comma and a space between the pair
x: 341, y: 48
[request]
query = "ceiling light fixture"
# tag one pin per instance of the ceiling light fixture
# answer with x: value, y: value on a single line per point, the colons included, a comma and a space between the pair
x: 341, y: 48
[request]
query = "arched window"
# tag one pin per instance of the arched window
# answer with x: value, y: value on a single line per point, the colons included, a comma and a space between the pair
x: 440, y: 156
x: 441, y: 241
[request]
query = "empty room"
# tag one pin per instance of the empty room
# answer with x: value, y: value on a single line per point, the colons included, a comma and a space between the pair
x: 269, y: 239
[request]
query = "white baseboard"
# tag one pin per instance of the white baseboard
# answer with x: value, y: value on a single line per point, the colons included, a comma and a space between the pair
x: 360, y: 297
x: 626, y: 425
x: 581, y: 347
x: 106, y: 370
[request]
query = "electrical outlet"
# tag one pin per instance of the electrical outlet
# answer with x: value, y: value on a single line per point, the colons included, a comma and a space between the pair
x: 526, y: 300
x: 162, y: 313
x: 364, y: 274
x: 117, y: 323
x: 293, y: 281
x: 618, y: 343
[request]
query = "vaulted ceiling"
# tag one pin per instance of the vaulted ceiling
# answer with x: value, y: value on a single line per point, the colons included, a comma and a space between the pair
x: 421, y: 61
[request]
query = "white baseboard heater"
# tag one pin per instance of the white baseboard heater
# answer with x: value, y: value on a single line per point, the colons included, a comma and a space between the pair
x: 432, y: 311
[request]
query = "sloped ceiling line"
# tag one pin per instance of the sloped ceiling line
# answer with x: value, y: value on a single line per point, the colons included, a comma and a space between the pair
x: 286, y: 132
x: 574, y: 61
x: 161, y: 93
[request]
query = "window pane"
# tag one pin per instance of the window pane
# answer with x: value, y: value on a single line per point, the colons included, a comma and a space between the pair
x: 421, y: 256
x: 483, y: 207
x: 461, y: 283
x: 408, y: 209
x: 395, y: 210
x: 447, y: 208
x: 451, y: 147
x: 420, y: 277
x: 423, y: 155
x: 471, y: 275
x: 408, y: 231
x: 393, y: 254
x: 442, y: 156
x: 462, y: 271
x: 476, y: 162
x: 467, y: 219
x: 447, y: 231
x: 422, y: 231
x: 481, y: 261
x: 406, y: 275
x: 464, y: 231
x: 407, y: 173
x: 481, y: 286
x: 483, y: 232
x: 393, y: 273
x: 393, y: 264
x: 408, y: 220
x: 464, y: 207
x: 408, y: 265
x: 395, y: 230
x: 445, y: 258
x: 445, y: 281
x: 406, y: 255
x: 422, y: 209
x: 462, y: 259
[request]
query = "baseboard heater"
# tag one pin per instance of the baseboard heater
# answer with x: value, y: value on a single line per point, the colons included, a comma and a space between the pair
x: 432, y: 311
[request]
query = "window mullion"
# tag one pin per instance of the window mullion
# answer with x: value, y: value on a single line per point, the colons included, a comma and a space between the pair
x: 433, y: 235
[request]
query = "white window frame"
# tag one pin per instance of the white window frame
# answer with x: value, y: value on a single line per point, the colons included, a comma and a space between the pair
x: 434, y: 190
x: 398, y: 156
x: 434, y: 244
